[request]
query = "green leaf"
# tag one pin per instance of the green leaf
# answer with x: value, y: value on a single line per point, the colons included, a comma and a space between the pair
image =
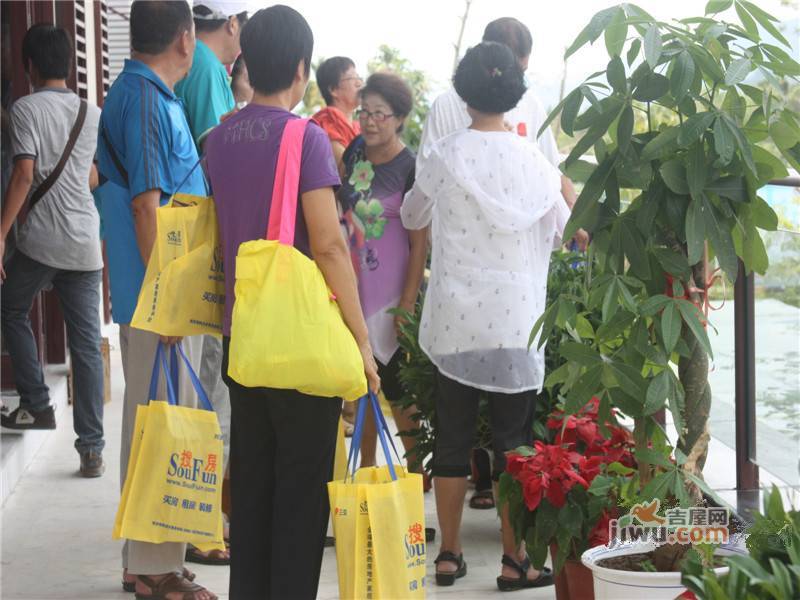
x: 664, y: 142
x: 732, y: 187
x: 673, y: 262
x: 653, y: 304
x: 766, y: 21
x: 707, y: 63
x: 610, y: 305
x: 589, y: 195
x: 747, y: 22
x: 633, y: 51
x: 592, y: 31
x: 652, y: 45
x: 718, y: 6
x: 670, y: 326
x: 629, y: 379
x: 673, y: 173
x: 660, y: 485
x: 742, y: 142
x: 719, y: 233
x: 615, y: 73
x: 587, y: 386
x: 682, y: 75
x: 695, y: 230
x: 693, y: 128
x: 572, y: 104
x: 615, y: 326
x: 723, y: 142
x: 738, y: 70
x: 691, y: 316
x: 579, y: 353
x: 652, y: 87
x: 625, y: 128
x: 764, y: 216
x: 697, y: 171
x: 654, y: 457
x: 544, y: 325
x: 784, y: 133
x: 616, y: 32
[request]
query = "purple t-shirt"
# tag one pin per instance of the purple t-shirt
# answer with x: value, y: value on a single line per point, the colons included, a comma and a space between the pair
x: 241, y: 157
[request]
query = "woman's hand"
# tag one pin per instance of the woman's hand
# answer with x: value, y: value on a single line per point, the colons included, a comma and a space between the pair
x: 370, y: 367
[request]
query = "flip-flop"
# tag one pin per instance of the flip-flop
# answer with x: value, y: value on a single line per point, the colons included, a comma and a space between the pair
x: 130, y: 586
x: 174, y: 583
x: 214, y: 557
x: 512, y: 584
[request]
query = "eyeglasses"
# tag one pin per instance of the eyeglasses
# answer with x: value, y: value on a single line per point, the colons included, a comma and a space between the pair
x: 356, y: 78
x: 377, y: 116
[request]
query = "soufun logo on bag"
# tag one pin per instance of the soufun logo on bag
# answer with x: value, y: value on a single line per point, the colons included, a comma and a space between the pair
x: 414, y: 541
x: 184, y: 466
x: 174, y: 238
x: 362, y: 508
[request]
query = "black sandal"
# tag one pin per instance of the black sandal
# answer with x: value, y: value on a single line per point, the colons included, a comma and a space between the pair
x: 450, y: 578
x: 508, y: 584
x: 479, y: 500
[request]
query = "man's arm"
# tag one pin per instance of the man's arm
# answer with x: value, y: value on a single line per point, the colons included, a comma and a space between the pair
x: 144, y: 208
x: 17, y: 192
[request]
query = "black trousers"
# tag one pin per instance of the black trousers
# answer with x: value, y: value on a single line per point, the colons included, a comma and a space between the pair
x: 457, y: 406
x: 282, y: 448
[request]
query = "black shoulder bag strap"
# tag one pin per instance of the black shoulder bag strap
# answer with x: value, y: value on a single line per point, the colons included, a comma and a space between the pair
x: 55, y: 173
x: 113, y: 154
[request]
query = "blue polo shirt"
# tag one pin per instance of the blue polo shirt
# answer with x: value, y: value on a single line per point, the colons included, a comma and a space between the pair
x: 145, y: 123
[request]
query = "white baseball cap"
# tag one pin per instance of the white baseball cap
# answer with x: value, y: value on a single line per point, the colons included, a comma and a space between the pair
x: 220, y: 9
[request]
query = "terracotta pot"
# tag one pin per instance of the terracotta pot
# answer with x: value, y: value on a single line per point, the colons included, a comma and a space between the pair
x: 562, y: 586
x: 579, y: 580
x: 575, y: 580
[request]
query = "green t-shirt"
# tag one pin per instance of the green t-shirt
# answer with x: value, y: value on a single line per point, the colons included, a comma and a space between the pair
x: 205, y: 91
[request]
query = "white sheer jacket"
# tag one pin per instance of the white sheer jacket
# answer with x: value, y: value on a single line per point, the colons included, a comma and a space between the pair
x: 495, y: 205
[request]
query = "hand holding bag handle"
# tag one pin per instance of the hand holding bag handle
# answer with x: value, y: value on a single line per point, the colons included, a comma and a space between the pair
x: 383, y: 434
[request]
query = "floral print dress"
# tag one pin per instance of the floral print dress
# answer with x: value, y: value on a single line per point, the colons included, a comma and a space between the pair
x: 371, y: 197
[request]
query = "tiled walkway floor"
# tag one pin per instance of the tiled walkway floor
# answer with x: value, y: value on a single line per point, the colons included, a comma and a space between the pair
x: 56, y: 531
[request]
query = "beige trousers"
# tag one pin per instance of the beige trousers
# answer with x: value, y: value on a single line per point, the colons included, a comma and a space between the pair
x: 138, y: 350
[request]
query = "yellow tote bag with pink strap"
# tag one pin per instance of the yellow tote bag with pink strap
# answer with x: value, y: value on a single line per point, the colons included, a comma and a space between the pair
x: 287, y: 331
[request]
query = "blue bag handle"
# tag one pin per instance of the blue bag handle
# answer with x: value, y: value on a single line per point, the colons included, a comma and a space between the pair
x: 171, y: 376
x: 159, y: 362
x: 186, y: 178
x: 198, y: 387
x: 383, y: 434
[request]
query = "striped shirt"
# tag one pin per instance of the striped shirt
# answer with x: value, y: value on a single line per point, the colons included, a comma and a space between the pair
x: 145, y: 123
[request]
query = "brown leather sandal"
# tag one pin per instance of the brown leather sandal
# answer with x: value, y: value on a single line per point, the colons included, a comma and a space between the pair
x: 171, y: 584
x: 212, y: 557
x: 130, y: 586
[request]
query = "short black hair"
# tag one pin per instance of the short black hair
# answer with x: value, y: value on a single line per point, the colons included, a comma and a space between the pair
x: 511, y: 32
x: 489, y: 78
x: 49, y: 49
x: 329, y: 74
x: 156, y: 23
x: 274, y: 41
x: 201, y: 25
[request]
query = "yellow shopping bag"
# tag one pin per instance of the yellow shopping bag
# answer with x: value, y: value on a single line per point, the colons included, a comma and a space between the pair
x: 287, y: 330
x: 183, y: 292
x: 173, y: 488
x: 379, y: 525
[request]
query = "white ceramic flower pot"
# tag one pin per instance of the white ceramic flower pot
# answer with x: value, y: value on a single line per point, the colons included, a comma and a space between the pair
x: 612, y: 584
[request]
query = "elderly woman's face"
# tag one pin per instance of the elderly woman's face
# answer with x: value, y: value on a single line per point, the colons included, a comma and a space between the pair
x: 347, y: 90
x: 379, y: 125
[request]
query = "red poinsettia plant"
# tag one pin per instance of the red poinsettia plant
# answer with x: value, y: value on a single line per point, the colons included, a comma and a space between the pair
x: 565, y: 492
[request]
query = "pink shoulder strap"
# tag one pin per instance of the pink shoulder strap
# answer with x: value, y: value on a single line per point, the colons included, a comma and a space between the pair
x: 283, y: 210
